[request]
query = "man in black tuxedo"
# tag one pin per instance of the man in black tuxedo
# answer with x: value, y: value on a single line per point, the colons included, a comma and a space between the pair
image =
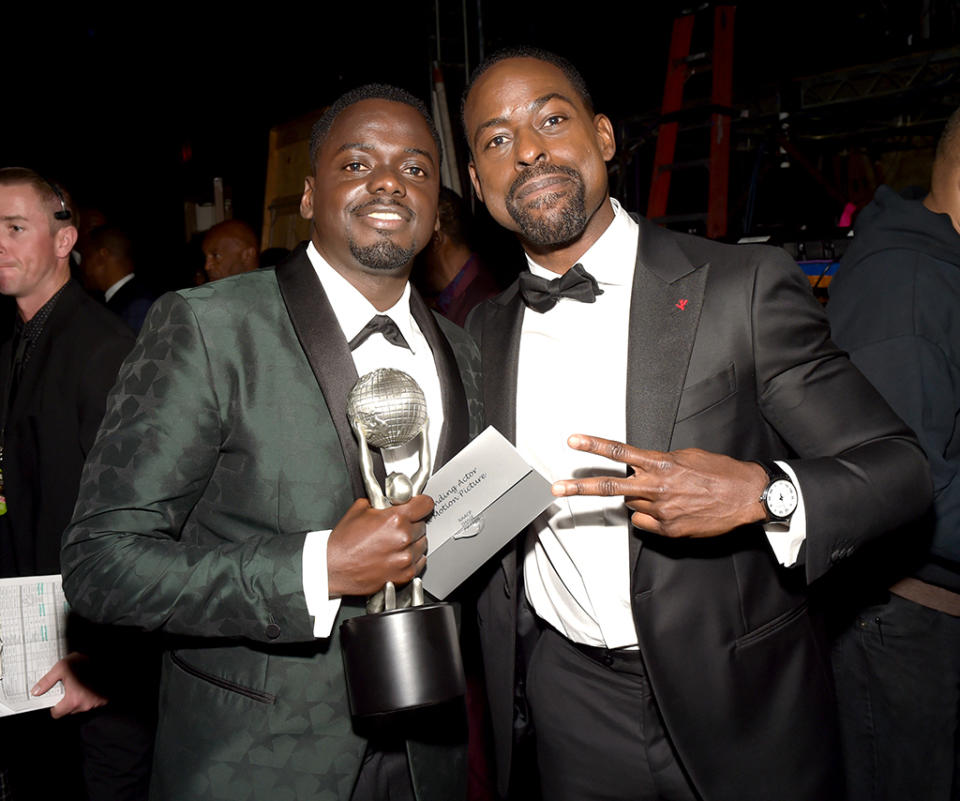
x: 108, y: 268
x: 677, y: 657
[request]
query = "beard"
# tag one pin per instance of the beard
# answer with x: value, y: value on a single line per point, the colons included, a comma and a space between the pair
x: 383, y: 255
x: 553, y: 218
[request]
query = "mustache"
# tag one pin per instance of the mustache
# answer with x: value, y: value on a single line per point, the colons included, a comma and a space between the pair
x: 541, y: 171
x: 381, y: 202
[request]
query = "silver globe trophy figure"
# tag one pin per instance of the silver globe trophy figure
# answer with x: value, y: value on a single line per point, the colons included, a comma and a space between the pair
x: 388, y: 410
x: 402, y: 654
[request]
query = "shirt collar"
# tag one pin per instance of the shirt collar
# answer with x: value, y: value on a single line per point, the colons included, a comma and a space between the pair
x: 610, y: 260
x: 352, y: 309
x: 115, y: 287
x: 31, y: 330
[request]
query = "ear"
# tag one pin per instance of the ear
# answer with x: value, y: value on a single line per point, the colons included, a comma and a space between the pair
x: 64, y: 240
x: 306, y: 200
x: 475, y: 180
x: 605, y: 138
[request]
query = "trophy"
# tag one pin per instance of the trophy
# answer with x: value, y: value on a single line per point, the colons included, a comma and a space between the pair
x: 403, y: 654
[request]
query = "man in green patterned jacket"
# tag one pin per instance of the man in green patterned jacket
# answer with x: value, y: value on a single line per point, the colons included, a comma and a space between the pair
x: 223, y: 503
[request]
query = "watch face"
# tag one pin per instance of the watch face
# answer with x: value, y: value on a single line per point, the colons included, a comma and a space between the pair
x: 782, y: 498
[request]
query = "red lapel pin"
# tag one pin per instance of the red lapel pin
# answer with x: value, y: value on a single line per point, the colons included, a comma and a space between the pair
x: 681, y: 304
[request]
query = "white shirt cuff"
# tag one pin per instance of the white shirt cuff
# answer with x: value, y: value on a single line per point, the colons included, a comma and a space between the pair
x: 786, y: 538
x: 320, y: 605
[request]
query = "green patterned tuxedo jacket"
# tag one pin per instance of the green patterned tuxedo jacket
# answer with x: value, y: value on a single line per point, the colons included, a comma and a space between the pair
x: 224, y: 441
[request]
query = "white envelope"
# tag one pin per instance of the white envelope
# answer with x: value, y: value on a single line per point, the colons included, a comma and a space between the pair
x: 483, y: 497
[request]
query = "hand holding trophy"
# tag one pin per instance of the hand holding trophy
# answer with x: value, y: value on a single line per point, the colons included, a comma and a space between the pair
x: 403, y: 653
x: 387, y: 410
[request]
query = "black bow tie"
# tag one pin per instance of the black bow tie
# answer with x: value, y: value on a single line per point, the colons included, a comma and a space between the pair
x: 541, y: 294
x: 380, y: 324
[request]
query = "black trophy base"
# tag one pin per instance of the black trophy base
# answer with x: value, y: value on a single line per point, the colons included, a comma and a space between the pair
x: 401, y: 659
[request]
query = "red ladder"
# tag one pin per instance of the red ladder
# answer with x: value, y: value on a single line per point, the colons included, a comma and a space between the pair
x: 680, y: 67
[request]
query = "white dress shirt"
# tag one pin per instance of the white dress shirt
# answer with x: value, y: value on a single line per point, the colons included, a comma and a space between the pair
x: 114, y: 288
x: 353, y: 312
x: 572, y: 380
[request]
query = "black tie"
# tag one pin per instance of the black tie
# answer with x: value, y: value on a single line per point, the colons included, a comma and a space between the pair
x: 380, y: 324
x: 541, y: 294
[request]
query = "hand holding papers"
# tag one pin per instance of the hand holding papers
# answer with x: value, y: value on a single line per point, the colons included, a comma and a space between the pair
x: 33, y: 624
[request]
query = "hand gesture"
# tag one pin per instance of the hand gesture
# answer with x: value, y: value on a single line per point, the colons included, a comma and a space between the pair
x: 685, y: 493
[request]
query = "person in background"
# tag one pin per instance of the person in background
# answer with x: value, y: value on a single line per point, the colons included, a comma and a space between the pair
x: 59, y: 357
x: 230, y: 248
x: 894, y: 307
x: 449, y: 272
x: 107, y: 265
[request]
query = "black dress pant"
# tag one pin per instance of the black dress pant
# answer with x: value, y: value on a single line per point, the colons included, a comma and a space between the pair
x: 384, y: 776
x: 598, y: 731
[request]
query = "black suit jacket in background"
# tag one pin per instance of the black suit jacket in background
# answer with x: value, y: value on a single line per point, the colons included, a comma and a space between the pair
x: 132, y: 302
x: 50, y: 427
x: 728, y: 352
x: 52, y: 422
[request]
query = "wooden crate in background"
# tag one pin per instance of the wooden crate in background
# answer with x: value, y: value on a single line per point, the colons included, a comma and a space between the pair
x: 288, y: 163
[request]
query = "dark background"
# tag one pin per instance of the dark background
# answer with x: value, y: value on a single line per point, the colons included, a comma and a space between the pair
x: 137, y: 111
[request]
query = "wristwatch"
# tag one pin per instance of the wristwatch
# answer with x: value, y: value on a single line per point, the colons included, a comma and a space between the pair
x: 779, y: 497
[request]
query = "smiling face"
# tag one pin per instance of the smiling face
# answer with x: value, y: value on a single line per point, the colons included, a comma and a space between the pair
x: 539, y: 155
x: 373, y: 196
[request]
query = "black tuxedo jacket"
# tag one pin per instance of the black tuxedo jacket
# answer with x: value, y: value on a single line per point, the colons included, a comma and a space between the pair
x: 52, y: 422
x: 49, y: 429
x: 132, y: 302
x: 728, y: 352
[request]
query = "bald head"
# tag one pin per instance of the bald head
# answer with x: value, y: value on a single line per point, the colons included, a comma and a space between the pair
x: 230, y: 248
x: 944, y: 197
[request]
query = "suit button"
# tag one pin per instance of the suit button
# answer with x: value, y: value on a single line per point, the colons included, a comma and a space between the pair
x: 273, y: 631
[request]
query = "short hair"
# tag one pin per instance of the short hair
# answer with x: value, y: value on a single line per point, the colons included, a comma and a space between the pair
x: 571, y: 73
x: 54, y: 196
x: 370, y: 91
x: 454, y: 217
x: 113, y: 238
x: 948, y: 146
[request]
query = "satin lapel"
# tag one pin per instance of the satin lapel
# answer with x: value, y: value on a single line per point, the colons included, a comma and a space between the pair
x: 664, y: 315
x: 456, y: 425
x: 500, y: 354
x: 327, y: 352
x: 499, y: 359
